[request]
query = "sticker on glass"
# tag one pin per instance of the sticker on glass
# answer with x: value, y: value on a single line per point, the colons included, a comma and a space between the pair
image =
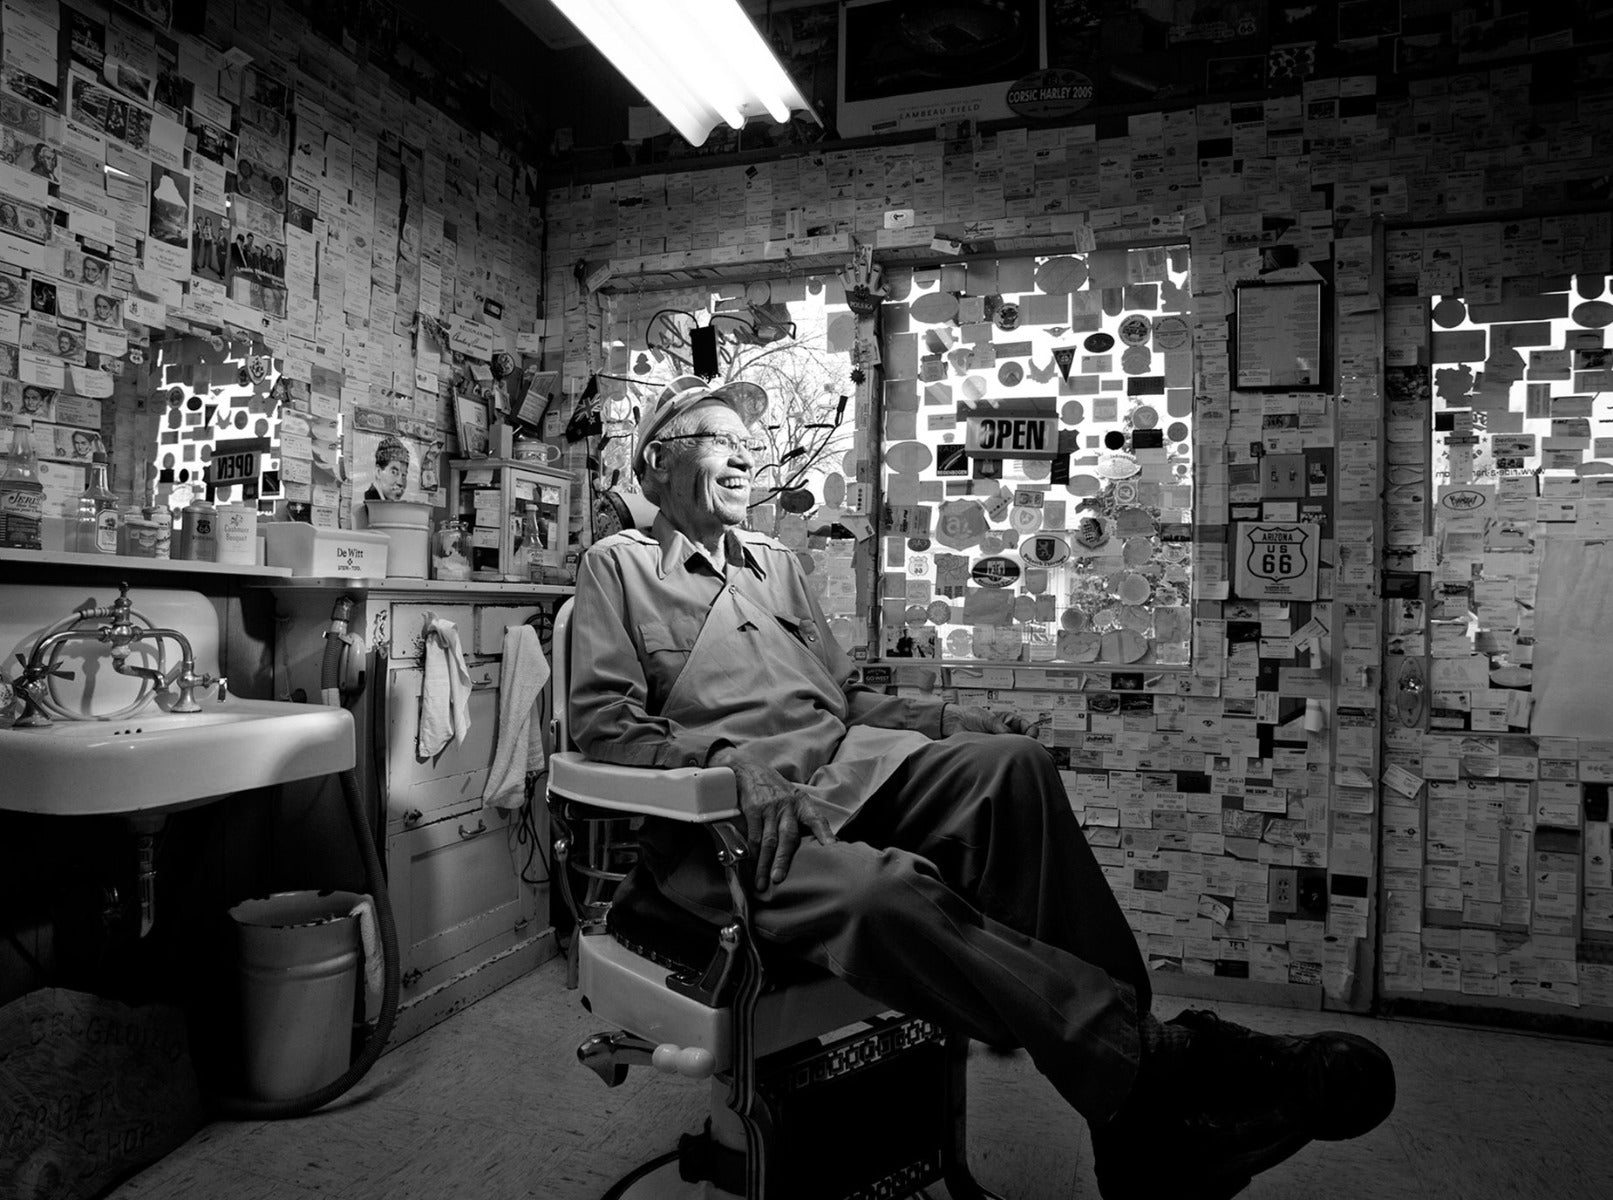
x: 1171, y: 332
x: 1136, y: 330
x: 994, y: 572
x: 1045, y: 549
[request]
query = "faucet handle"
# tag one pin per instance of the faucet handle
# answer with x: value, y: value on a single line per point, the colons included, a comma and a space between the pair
x: 223, y: 690
x: 30, y: 677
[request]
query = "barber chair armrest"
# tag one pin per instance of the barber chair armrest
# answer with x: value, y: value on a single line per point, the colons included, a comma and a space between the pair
x: 698, y: 795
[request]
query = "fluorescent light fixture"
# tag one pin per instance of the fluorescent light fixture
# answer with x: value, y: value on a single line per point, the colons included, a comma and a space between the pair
x: 699, y: 62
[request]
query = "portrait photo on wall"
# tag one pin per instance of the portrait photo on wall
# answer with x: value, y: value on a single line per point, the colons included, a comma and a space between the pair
x: 909, y: 641
x: 210, y: 245
x: 34, y: 156
x: 27, y: 398
x: 400, y: 462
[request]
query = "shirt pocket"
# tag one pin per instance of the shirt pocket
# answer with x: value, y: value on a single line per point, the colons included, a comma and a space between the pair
x: 659, y: 639
x: 803, y: 629
x: 676, y: 635
x: 665, y: 655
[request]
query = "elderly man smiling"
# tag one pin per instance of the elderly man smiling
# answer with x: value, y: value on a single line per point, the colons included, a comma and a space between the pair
x: 923, y: 851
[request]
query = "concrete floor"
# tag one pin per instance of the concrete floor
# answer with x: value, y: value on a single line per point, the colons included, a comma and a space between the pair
x: 491, y: 1105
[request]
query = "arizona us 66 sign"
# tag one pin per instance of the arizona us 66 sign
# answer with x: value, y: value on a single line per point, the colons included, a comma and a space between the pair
x: 1276, y: 560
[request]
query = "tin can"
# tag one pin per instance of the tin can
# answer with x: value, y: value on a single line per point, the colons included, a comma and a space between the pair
x: 140, y: 537
x: 198, y: 532
x: 131, y: 513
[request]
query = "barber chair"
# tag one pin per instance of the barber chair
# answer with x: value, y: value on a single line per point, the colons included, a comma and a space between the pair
x: 817, y: 1092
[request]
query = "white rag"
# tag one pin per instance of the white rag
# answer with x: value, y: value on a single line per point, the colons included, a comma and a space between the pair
x: 445, y: 692
x: 517, y: 753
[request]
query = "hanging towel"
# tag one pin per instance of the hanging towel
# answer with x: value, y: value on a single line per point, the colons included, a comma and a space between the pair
x: 518, y: 750
x: 369, y: 941
x: 445, y: 693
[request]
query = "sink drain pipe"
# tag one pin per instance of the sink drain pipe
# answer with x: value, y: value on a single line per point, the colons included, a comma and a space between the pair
x: 243, y: 1108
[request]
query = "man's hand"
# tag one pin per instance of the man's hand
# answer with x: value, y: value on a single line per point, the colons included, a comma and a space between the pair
x: 775, y: 811
x: 958, y: 718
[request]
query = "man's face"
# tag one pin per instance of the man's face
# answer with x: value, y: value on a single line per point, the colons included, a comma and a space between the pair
x: 708, y: 486
x: 391, y: 479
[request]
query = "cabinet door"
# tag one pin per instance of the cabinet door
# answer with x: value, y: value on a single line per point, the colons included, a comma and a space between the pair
x: 420, y: 791
x: 458, y: 895
x: 406, y: 623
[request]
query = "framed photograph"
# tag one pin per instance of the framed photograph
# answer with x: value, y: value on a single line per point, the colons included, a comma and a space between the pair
x: 1278, y: 342
x: 917, y: 66
x: 470, y: 416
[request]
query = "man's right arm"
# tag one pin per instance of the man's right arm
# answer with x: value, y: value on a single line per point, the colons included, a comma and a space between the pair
x: 610, y: 720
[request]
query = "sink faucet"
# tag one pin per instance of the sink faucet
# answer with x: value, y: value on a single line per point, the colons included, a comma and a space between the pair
x: 122, y: 634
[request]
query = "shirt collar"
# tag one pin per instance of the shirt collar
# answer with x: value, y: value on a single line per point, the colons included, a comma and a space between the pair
x: 677, y: 550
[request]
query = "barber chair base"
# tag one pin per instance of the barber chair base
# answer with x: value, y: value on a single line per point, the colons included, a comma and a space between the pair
x: 875, y: 1109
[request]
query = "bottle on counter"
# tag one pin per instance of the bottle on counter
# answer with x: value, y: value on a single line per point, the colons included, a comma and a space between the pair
x: 22, y: 496
x: 98, y: 523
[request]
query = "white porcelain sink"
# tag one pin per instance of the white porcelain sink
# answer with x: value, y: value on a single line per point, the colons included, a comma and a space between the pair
x: 162, y: 760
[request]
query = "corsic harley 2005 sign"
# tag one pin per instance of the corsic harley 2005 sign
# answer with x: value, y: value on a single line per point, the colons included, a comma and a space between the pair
x: 1275, y: 560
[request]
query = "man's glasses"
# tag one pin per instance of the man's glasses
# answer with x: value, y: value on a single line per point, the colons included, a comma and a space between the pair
x: 730, y: 442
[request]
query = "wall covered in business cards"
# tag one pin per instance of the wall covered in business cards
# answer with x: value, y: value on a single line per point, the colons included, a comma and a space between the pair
x: 1263, y: 798
x: 247, y: 239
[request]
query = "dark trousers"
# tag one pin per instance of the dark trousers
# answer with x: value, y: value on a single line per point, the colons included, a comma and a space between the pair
x: 963, y: 892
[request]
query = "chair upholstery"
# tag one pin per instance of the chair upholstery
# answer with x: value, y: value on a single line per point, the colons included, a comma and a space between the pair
x: 697, y: 1000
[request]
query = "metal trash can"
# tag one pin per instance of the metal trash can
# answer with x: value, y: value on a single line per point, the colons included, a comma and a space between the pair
x: 298, y: 963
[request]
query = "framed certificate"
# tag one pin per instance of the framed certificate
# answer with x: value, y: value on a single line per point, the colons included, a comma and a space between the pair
x: 1278, y: 342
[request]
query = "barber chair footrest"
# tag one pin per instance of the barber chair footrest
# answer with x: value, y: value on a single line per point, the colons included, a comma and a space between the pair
x: 629, y: 991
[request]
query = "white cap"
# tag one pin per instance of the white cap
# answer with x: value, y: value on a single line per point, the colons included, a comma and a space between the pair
x: 747, y: 399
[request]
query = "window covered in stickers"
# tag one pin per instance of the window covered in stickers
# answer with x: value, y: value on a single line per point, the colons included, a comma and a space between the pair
x: 793, y: 339
x: 1522, y: 456
x: 1037, y: 451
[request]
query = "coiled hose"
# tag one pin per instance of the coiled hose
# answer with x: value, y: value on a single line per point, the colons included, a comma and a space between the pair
x: 46, y: 698
x: 242, y: 1108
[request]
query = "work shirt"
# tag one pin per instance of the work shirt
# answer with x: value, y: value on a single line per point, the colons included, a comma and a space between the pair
x: 673, y: 660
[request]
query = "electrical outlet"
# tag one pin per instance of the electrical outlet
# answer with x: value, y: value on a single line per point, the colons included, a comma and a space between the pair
x: 1282, y: 890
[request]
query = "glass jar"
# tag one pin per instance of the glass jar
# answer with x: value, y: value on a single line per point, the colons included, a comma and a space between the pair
x: 450, y: 551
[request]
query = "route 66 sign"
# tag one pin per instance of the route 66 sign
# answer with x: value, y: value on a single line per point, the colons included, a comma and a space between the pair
x: 1276, y: 560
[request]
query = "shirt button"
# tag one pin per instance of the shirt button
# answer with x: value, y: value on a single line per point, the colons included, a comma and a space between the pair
x: 733, y: 590
x: 809, y: 635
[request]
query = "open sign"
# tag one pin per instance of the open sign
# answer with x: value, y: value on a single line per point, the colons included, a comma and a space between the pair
x: 235, y: 466
x: 1012, y: 437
